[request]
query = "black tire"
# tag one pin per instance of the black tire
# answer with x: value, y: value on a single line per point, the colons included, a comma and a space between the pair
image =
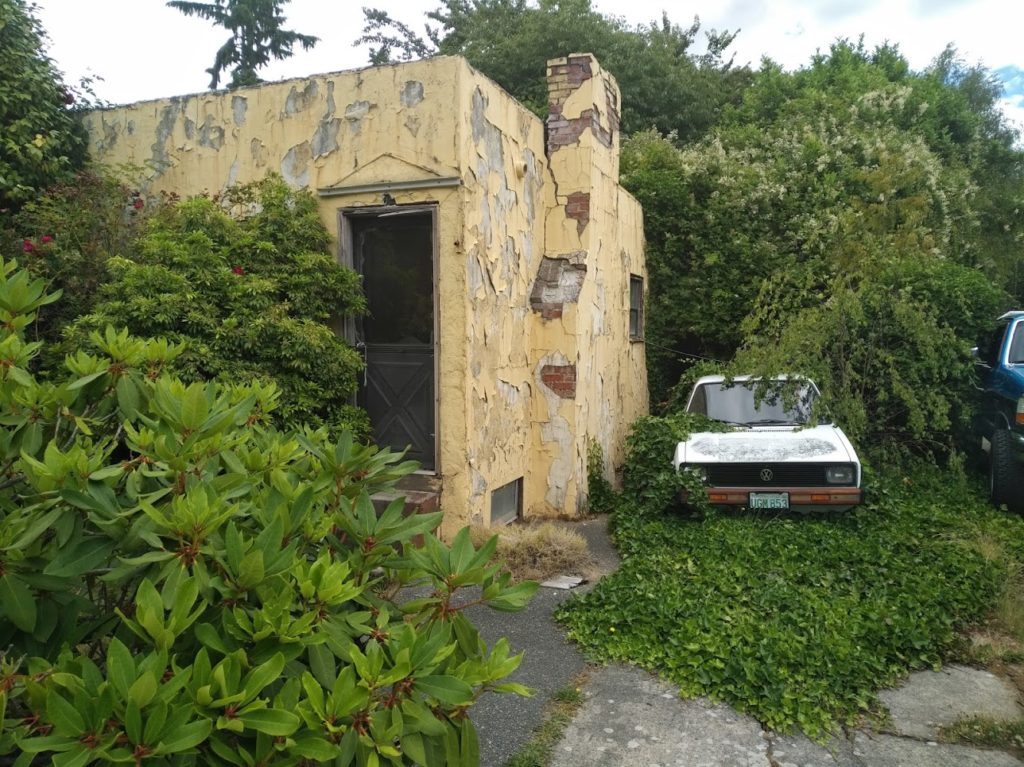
x: 1006, y: 475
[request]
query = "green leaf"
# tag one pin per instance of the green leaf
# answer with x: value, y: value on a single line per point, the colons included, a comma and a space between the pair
x: 271, y: 721
x: 186, y: 737
x: 83, y: 557
x: 142, y: 690
x: 194, y: 407
x: 470, y: 744
x: 262, y: 676
x: 316, y: 749
x: 447, y: 689
x: 514, y: 688
x: 85, y: 380
x: 64, y: 717
x: 120, y: 666
x: 128, y: 400
x: 321, y: 663
x: 18, y: 603
x: 76, y: 757
x: 412, y: 745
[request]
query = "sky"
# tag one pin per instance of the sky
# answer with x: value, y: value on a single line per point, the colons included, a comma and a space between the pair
x: 140, y: 49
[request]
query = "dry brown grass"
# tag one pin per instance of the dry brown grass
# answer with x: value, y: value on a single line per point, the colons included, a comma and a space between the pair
x: 538, y: 551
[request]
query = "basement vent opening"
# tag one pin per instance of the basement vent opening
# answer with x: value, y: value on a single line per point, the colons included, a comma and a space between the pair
x: 507, y: 503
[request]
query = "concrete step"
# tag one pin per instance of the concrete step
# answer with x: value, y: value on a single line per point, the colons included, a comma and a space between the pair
x: 422, y: 493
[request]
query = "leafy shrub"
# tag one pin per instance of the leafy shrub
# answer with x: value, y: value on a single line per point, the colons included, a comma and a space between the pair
x: 41, y: 142
x: 180, y: 583
x: 847, y: 168
x: 249, y: 295
x: 648, y: 476
x: 891, y: 354
x: 66, y: 237
x: 796, y: 620
x: 600, y: 494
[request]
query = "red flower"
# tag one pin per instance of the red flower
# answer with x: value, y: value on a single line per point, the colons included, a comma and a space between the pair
x: 237, y: 270
x: 46, y: 239
x: 137, y: 203
x: 27, y: 246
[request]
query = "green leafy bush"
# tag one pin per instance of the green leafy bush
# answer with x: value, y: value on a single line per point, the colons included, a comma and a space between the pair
x: 796, y: 620
x: 41, y: 141
x: 182, y: 584
x: 842, y: 170
x: 890, y: 352
x: 67, y: 235
x: 600, y: 494
x: 648, y: 476
x: 244, y: 282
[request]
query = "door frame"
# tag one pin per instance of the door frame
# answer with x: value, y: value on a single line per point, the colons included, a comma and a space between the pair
x: 346, y: 257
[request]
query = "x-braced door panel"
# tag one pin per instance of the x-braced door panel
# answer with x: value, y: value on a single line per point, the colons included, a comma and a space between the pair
x: 394, y: 252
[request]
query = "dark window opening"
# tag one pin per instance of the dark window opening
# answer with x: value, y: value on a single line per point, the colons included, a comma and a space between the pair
x: 507, y: 503
x: 636, y: 307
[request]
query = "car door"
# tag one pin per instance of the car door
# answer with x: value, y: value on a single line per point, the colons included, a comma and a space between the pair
x: 992, y: 406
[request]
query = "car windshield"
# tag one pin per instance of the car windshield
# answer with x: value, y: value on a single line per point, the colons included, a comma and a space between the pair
x: 738, y: 404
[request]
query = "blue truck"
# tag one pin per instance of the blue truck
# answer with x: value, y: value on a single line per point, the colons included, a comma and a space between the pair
x: 1000, y: 419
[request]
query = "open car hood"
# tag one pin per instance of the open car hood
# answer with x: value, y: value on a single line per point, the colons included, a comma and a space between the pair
x: 819, y: 444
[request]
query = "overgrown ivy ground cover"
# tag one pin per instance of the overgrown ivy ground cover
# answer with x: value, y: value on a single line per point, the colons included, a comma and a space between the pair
x: 799, y: 620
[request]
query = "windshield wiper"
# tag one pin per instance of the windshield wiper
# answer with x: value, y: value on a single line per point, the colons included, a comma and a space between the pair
x: 772, y: 422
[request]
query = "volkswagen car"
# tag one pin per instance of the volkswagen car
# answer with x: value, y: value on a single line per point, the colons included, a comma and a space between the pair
x: 778, y: 454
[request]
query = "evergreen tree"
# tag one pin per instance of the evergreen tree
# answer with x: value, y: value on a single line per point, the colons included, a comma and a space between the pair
x: 257, y: 36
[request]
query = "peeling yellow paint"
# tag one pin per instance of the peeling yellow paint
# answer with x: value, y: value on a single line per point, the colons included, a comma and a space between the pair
x: 515, y: 202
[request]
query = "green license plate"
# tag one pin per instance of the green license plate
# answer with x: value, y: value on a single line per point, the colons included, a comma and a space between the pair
x: 769, y: 501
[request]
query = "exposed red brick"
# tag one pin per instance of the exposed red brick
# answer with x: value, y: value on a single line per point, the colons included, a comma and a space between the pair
x: 563, y: 131
x: 577, y: 207
x: 558, y: 282
x: 561, y: 379
x: 575, y: 71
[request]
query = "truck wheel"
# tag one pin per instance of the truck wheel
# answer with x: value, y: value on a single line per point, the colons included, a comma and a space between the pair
x: 1006, y: 476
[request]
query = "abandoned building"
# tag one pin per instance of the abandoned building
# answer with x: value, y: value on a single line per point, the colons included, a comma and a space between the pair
x: 503, y: 263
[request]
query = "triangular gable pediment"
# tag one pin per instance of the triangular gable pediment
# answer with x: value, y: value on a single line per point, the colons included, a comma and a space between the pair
x: 389, y: 169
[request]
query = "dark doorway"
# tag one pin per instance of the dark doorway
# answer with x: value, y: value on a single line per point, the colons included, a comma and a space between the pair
x: 394, y: 252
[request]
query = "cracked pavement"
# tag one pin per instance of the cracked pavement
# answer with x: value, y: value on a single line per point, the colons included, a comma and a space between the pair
x: 630, y: 717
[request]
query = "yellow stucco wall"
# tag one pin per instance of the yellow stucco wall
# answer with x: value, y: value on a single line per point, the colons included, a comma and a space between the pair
x: 481, y: 159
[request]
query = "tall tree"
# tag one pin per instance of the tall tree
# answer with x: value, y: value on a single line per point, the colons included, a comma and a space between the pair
x: 41, y: 142
x: 665, y: 84
x: 257, y: 36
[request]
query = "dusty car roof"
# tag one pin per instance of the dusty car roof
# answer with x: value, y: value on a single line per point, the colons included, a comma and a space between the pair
x: 745, y: 378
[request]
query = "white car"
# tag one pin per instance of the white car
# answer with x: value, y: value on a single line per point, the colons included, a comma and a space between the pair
x: 771, y: 458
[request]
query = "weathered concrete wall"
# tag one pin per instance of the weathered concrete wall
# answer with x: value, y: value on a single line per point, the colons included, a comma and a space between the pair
x: 503, y: 166
x: 534, y: 258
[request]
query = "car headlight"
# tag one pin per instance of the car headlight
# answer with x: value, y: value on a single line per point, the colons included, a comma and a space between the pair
x: 698, y: 471
x: 839, y: 475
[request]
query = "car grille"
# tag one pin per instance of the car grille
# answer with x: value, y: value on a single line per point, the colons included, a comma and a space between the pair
x: 750, y: 474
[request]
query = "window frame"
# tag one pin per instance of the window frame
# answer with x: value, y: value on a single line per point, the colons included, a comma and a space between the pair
x: 636, y: 309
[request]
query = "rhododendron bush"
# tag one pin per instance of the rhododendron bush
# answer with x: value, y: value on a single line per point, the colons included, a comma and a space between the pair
x: 183, y: 584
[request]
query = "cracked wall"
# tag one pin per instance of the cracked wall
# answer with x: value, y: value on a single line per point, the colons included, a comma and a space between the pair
x: 596, y: 227
x: 504, y: 236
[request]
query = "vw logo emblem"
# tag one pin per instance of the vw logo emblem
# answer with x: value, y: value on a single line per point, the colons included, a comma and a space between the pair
x: 767, y: 475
